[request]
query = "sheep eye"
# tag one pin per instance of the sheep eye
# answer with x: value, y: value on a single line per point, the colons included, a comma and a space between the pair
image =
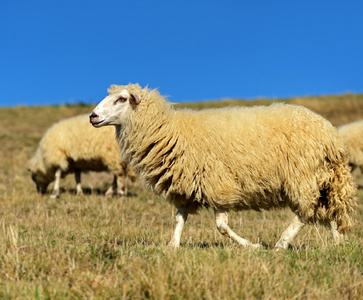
x: 120, y: 99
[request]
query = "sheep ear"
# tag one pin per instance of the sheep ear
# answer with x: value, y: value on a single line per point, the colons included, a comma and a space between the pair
x: 135, y: 99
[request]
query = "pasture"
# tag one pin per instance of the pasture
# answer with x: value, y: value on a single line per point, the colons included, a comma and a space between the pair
x: 92, y: 247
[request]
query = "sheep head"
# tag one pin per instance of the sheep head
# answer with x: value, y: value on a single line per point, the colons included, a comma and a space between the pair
x: 39, y: 173
x: 114, y: 108
x: 41, y: 181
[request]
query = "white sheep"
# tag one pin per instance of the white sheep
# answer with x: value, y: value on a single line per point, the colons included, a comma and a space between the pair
x: 352, y: 134
x: 72, y: 145
x: 234, y: 159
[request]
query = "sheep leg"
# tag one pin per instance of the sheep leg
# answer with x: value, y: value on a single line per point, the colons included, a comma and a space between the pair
x: 221, y: 217
x: 180, y: 219
x: 55, y: 192
x: 289, y: 234
x: 121, y: 185
x: 77, y: 176
x: 117, y: 187
x: 337, y: 237
x: 111, y: 190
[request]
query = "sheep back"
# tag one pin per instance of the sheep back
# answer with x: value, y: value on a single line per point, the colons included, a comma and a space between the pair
x: 73, y: 144
x: 352, y: 134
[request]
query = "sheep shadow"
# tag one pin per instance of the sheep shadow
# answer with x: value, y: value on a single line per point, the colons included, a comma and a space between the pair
x: 86, y: 191
x: 221, y: 245
x: 92, y: 191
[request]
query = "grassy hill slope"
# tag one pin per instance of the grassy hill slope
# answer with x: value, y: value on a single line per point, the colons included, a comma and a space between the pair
x: 90, y: 247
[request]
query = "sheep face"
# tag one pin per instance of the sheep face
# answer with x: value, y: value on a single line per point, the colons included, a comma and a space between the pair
x: 113, y: 109
x: 41, y: 182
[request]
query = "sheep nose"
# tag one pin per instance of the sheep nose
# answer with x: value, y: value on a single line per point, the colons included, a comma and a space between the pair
x: 93, y: 115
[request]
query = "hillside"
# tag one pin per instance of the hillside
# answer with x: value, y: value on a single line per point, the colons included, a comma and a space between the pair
x: 90, y: 247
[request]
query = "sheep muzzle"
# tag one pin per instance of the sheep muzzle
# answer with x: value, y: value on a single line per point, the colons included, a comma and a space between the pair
x: 93, y: 118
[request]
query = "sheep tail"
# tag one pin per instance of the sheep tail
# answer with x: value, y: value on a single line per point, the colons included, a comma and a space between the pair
x: 341, y: 191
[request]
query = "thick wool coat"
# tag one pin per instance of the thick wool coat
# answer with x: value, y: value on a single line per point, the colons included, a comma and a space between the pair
x: 239, y: 158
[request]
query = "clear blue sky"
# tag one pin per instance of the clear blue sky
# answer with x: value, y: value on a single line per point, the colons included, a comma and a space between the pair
x: 55, y: 52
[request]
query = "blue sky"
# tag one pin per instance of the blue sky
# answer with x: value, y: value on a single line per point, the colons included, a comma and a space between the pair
x: 56, y: 52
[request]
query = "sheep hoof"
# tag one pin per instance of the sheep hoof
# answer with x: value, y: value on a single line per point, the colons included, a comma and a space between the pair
x: 109, y: 193
x: 256, y: 246
x: 172, y: 245
x: 281, y: 245
x: 121, y: 194
x: 54, y: 196
x: 279, y: 248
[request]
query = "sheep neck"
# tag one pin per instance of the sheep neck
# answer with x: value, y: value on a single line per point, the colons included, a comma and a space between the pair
x: 148, y: 126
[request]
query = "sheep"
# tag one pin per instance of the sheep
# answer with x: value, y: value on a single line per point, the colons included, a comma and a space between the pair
x: 72, y: 145
x: 234, y: 159
x: 352, y: 134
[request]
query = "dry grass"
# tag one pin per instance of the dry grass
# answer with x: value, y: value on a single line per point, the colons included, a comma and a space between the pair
x: 91, y: 247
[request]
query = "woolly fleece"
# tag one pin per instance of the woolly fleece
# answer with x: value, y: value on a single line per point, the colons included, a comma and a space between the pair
x: 352, y: 134
x: 73, y: 144
x: 239, y: 158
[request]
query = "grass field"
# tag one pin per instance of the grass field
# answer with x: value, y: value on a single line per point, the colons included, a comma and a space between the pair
x: 91, y: 247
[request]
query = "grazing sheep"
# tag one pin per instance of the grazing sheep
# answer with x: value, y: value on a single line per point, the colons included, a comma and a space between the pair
x: 234, y: 159
x: 352, y: 134
x: 72, y: 145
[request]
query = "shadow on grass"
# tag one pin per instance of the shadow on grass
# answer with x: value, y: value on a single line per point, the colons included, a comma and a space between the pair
x: 205, y: 245
x: 88, y: 192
